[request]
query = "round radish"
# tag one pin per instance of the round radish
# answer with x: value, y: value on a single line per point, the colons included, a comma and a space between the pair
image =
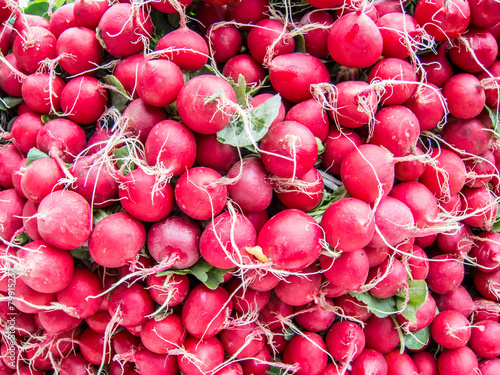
x: 132, y: 303
x: 34, y: 45
x: 224, y: 41
x: 389, y: 278
x: 159, y: 82
x: 474, y: 50
x: 308, y: 351
x: 202, y: 355
x: 445, y: 274
x: 349, y: 271
x: 79, y: 50
x: 345, y: 341
x: 269, y: 38
x: 162, y: 335
x: 299, y: 289
x: 464, y: 95
x: 355, y: 104
x: 443, y: 20
x: 41, y: 92
x: 247, y: 66
x: 427, y: 104
x: 305, y: 193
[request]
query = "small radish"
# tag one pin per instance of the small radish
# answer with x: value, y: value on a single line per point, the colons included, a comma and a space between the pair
x: 243, y: 341
x: 345, y: 341
x: 381, y: 327
x: 42, y: 92
x: 349, y: 271
x: 388, y: 279
x: 79, y: 50
x: 127, y: 70
x: 202, y: 355
x: 61, y: 138
x: 34, y: 45
x: 308, y: 352
x: 132, y: 303
x: 162, y: 335
x: 24, y: 131
x: 40, y: 178
x: 458, y: 299
x: 315, y: 317
x: 465, y: 95
x: 470, y: 136
x: 369, y: 362
x: 392, y: 27
x: 269, y: 38
x: 305, y: 193
x: 445, y: 274
x: 224, y: 42
x: 159, y: 82
x: 300, y: 289
x: 311, y: 114
x: 337, y: 145
x: 88, y: 13
x: 316, y: 39
x: 11, y: 209
x: 247, y: 66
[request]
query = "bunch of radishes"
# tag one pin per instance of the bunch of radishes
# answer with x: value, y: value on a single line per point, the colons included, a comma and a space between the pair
x: 249, y: 187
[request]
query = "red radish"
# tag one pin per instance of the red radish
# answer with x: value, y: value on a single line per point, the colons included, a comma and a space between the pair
x: 461, y: 361
x: 482, y: 13
x: 258, y: 364
x: 61, y: 138
x: 311, y: 114
x: 224, y: 41
x: 262, y: 280
x: 34, y: 45
x: 105, y: 243
x: 11, y: 156
x: 481, y: 169
x: 162, y: 335
x: 243, y: 341
x: 389, y: 279
x: 26, y: 21
x: 315, y: 317
x: 337, y: 146
x: 38, y: 260
x: 142, y: 117
x: 274, y: 312
x: 213, y: 154
x: 175, y: 236
x: 202, y: 355
x: 369, y: 362
x: 10, y: 80
x: 64, y: 219
x: 374, y: 166
x: 246, y: 300
x: 93, y: 346
x: 487, y: 251
x: 290, y: 240
x: 400, y: 32
x: 381, y: 327
x: 149, y: 363
x: 84, y: 284
x: 165, y: 6
x: 300, y: 289
x: 249, y: 185
x: 489, y: 366
x: 437, y: 67
x: 123, y: 342
x: 41, y: 178
x: 305, y: 193
x: 247, y: 11
x: 145, y: 196
x: 27, y: 297
x: 286, y: 80
x: 474, y: 51
x: 458, y: 242
x: 308, y: 352
x: 63, y: 18
x: 485, y: 309
x: 470, y: 136
x: 377, y: 255
x: 420, y: 200
x: 349, y: 271
x: 316, y: 39
x: 447, y: 176
x: 79, y: 50
x: 225, y: 240
x: 352, y: 308
x: 41, y: 92
x: 57, y: 322
x: 24, y: 131
x: 99, y: 321
x: 127, y: 70
x: 260, y: 99
x: 175, y: 155
x: 206, y: 103
x: 94, y: 182
x: 74, y: 364
x: 84, y: 99
x: 199, y: 194
x: 345, y: 341
x: 400, y: 363
x: 488, y: 284
x: 484, y: 339
x: 427, y: 104
x: 480, y: 207
x: 424, y: 316
x: 289, y: 149
x: 132, y: 303
x: 247, y: 66
x: 445, y: 274
x: 88, y: 13
x: 396, y: 122
x: 464, y: 95
x: 348, y: 224
x: 393, y: 69
x: 355, y: 41
x: 425, y: 362
x: 123, y: 28
x: 159, y: 82
x: 184, y: 47
x: 205, y: 311
x: 444, y: 21
x: 269, y: 38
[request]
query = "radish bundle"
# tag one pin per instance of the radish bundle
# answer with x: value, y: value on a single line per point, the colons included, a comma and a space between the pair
x: 237, y: 187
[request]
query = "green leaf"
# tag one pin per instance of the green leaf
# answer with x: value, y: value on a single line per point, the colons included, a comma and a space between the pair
x: 300, y: 43
x: 209, y: 275
x: 10, y: 102
x: 119, y: 97
x: 121, y: 157
x: 496, y: 225
x: 23, y: 238
x: 418, y: 293
x: 207, y: 69
x: 418, y: 339
x: 161, y: 26
x: 47, y: 118
x: 238, y: 135
x: 81, y: 253
x: 495, y: 117
x: 380, y: 307
x: 327, y: 200
x: 240, y: 89
x: 35, y: 154
x: 213, y: 97
x: 38, y: 8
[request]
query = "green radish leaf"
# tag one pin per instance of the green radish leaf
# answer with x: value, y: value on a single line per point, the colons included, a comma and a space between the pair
x: 9, y: 102
x: 380, y: 307
x: 81, y: 253
x: 47, y: 118
x: 35, y: 154
x: 300, y: 43
x: 495, y: 119
x: 161, y: 26
x: 23, y: 238
x: 213, y: 97
x: 418, y: 292
x: 209, y: 275
x: 327, y: 200
x: 38, y: 8
x: 418, y: 339
x: 119, y: 97
x: 240, y: 88
x: 121, y: 157
x: 236, y: 133
x: 207, y: 69
x: 496, y: 225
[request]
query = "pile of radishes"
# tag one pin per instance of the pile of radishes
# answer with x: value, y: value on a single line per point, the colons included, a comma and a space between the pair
x: 249, y: 187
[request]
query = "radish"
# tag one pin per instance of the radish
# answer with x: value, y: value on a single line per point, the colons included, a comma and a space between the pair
x: 56, y: 322
x: 28, y: 298
x: 487, y: 251
x: 34, y: 45
x: 79, y: 50
x: 42, y: 92
x: 64, y: 219
x: 247, y: 300
x: 199, y: 194
x: 474, y: 50
x: 247, y: 11
x: 443, y: 21
x: 376, y: 328
x: 63, y: 18
x: 464, y: 95
x: 99, y: 321
x: 165, y: 6
x: 315, y: 317
x: 337, y: 145
x: 311, y: 114
x: 289, y: 149
x: 258, y: 364
x: 481, y: 170
x: 489, y: 366
x: 131, y: 303
x: 247, y: 66
x: 485, y: 309
x: 480, y: 207
x: 427, y: 104
x: 10, y: 80
x: 24, y: 131
x: 481, y: 13
x: 124, y: 28
x: 460, y: 361
x: 388, y: 279
x: 290, y: 240
x: 175, y: 236
x: 224, y: 41
x: 145, y: 196
x: 352, y: 308
x: 470, y: 136
x: 41, y: 178
x: 205, y: 311
x: 292, y: 85
x: 105, y: 243
x: 425, y: 362
x: 304, y: 193
x: 369, y: 362
x: 126, y: 72
x: 316, y: 40
x: 88, y: 13
x: 201, y: 355
x: 243, y: 341
x: 445, y: 274
x: 374, y: 166
x: 11, y: 157
x: 308, y: 352
x: 424, y: 316
x: 401, y: 34
x: 206, y: 104
x: 269, y: 38
x: 184, y: 47
x: 275, y: 313
x: 349, y: 271
x: 74, y: 364
x: 355, y: 41
x: 162, y: 335
x: 249, y: 186
x: 484, y: 339
x: 437, y: 68
x: 148, y: 363
x: 177, y: 156
x: 345, y: 341
x: 300, y: 289
x: 400, y: 363
x: 38, y: 260
x: 488, y: 284
x: 93, y: 347
x: 61, y: 138
x: 458, y: 242
x: 159, y: 82
x: 225, y: 240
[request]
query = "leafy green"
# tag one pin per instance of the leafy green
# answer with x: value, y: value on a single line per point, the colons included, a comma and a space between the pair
x: 80, y: 253
x: 418, y: 292
x: 9, y: 102
x: 23, y: 239
x: 418, y: 339
x: 209, y: 275
x: 35, y: 154
x: 121, y: 158
x: 380, y: 307
x: 38, y: 8
x: 239, y: 134
x: 240, y: 88
x: 327, y: 200
x: 496, y: 225
x: 213, y: 97
x: 207, y: 69
x: 300, y: 43
x: 119, y: 96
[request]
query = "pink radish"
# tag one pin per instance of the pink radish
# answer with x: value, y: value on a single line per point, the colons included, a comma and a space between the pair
x: 224, y: 40
x: 445, y: 274
x: 369, y: 361
x: 315, y: 317
x: 337, y: 145
x: 63, y: 18
x: 162, y: 335
x: 345, y: 341
x: 304, y: 193
x: 474, y: 50
x: 427, y: 104
x: 470, y: 136
x: 24, y: 131
x: 61, y: 138
x: 213, y: 154
x: 389, y: 279
x: 159, y: 82
x: 308, y: 352
x: 300, y: 289
x: 202, y: 355
x: 311, y: 114
x: 348, y: 272
x: 34, y: 45
x: 458, y: 299
x: 381, y: 327
x: 243, y: 341
x: 393, y: 26
x: 40, y: 178
x: 10, y: 80
x: 88, y: 13
x: 132, y: 303
x: 127, y: 70
x: 316, y: 39
x: 247, y: 66
x: 267, y: 33
x: 41, y: 92
x: 465, y: 96
x: 79, y: 50
x: 480, y: 207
